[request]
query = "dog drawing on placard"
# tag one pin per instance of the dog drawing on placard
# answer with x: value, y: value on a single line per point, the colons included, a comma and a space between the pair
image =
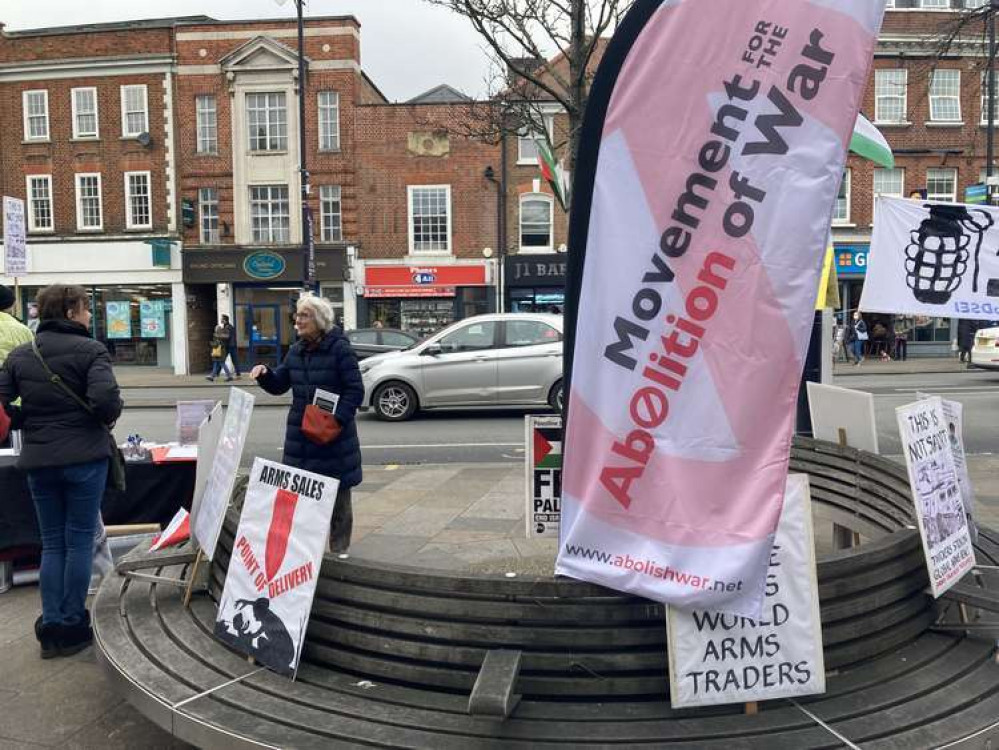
x: 259, y: 632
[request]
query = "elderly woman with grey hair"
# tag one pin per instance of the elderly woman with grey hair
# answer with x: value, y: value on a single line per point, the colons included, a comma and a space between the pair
x: 321, y: 358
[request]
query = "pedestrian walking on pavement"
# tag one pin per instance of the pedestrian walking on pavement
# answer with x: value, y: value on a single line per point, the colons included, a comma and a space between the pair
x: 65, y: 453
x: 966, y: 338
x: 321, y: 358
x: 233, y: 345
x: 220, y: 351
x: 858, y: 337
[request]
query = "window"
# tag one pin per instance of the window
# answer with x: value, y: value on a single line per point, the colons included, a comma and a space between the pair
x: 985, y: 99
x: 889, y: 95
x: 36, y: 115
x: 430, y: 219
x: 889, y: 182
x: 267, y: 117
x: 936, y: 3
x: 134, y: 111
x: 530, y: 333
x: 945, y: 96
x: 40, y: 203
x: 841, y: 214
x: 969, y: 4
x: 527, y: 147
x: 269, y: 216
x: 207, y: 124
x: 329, y: 121
x: 535, y: 222
x: 208, y: 209
x: 329, y: 204
x: 85, y: 113
x: 397, y: 338
x: 138, y: 204
x: 941, y: 185
x: 369, y: 336
x: 470, y: 338
x: 89, y: 216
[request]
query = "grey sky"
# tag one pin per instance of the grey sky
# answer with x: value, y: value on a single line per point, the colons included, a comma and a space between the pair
x: 407, y: 46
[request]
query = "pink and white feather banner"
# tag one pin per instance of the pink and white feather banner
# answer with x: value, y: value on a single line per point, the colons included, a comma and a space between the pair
x: 713, y: 145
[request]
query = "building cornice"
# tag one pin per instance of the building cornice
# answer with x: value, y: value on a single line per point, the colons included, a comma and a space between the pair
x: 90, y: 67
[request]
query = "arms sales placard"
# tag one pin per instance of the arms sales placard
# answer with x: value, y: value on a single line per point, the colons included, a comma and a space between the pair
x: 936, y: 492
x: 723, y: 658
x: 709, y: 163
x: 936, y: 259
x: 544, y: 476
x: 275, y: 564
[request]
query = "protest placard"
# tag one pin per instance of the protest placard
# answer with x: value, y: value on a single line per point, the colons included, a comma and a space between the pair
x: 15, y: 248
x: 723, y: 658
x: 843, y: 416
x: 267, y: 598
x: 544, y: 476
x: 943, y: 525
x: 210, y: 513
x: 190, y: 415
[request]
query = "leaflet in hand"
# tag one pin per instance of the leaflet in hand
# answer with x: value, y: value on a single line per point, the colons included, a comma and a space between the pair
x: 326, y: 400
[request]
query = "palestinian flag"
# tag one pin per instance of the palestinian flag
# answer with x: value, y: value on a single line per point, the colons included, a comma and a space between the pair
x: 552, y: 172
x: 868, y: 142
x: 548, y: 447
x: 177, y: 531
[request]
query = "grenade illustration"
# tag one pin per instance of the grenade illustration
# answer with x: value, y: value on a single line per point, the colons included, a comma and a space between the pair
x: 937, y: 256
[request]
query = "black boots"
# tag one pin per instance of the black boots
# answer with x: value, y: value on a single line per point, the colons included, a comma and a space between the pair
x: 46, y: 635
x: 74, y: 638
x: 63, y: 640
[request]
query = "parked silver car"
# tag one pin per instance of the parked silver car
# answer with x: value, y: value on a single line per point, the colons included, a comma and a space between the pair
x: 508, y: 359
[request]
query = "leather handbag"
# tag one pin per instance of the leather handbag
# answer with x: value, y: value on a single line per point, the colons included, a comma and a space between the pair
x: 319, y: 426
x: 4, y: 424
x: 116, y: 462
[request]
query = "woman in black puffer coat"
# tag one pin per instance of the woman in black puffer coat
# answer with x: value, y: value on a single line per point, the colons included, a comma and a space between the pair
x: 65, y: 454
x: 322, y: 358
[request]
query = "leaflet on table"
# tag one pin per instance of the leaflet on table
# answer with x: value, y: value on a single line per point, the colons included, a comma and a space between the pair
x: 326, y: 400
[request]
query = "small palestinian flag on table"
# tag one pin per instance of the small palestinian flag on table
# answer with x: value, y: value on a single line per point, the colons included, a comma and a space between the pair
x: 553, y: 173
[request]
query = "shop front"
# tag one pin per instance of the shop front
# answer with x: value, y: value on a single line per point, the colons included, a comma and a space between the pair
x: 927, y: 336
x: 535, y: 283
x: 258, y: 290
x: 422, y: 299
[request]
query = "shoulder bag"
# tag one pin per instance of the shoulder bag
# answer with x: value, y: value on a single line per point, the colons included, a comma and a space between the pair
x: 116, y: 463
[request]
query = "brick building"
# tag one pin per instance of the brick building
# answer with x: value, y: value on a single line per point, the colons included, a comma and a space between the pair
x: 933, y: 112
x: 186, y: 130
x: 88, y: 137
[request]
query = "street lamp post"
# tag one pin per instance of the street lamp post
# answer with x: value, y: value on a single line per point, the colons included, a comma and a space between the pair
x: 991, y: 79
x: 308, y: 242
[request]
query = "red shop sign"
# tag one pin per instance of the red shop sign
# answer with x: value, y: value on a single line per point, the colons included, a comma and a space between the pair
x: 424, y: 276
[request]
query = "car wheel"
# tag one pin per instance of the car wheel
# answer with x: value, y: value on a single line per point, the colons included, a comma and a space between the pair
x: 394, y: 402
x: 556, y: 398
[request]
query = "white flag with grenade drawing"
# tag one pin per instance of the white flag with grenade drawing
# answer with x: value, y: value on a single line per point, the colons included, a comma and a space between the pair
x: 938, y: 259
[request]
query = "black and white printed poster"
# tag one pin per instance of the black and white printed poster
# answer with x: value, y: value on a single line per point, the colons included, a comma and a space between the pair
x: 936, y: 492
x: 275, y: 563
x: 938, y: 259
x: 544, y: 476
x: 723, y: 658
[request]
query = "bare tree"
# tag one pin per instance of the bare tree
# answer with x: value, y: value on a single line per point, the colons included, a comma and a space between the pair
x: 544, y: 53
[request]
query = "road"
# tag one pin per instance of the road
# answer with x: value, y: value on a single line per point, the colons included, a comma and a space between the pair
x: 498, y: 436
x: 434, y: 437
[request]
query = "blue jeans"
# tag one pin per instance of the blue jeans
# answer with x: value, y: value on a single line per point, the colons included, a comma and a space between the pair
x: 858, y: 349
x: 220, y: 365
x: 67, y: 503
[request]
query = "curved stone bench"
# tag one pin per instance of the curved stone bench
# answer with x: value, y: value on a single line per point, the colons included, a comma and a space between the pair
x: 392, y: 653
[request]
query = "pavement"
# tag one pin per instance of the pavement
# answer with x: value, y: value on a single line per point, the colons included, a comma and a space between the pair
x: 453, y: 516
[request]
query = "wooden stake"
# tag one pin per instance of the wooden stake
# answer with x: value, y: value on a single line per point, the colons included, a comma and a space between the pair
x: 752, y: 708
x: 192, y: 579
